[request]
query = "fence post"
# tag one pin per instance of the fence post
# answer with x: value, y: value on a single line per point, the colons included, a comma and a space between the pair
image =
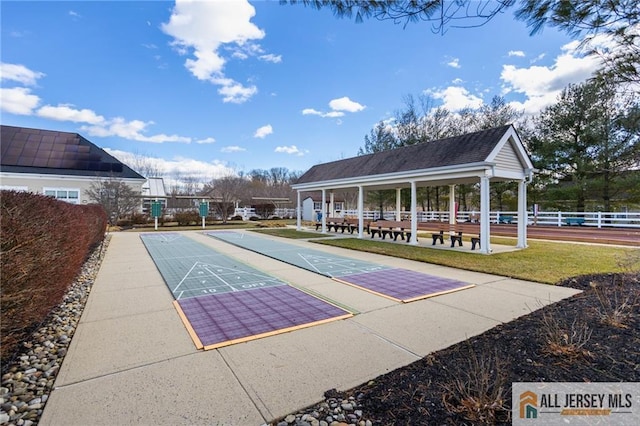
x: 599, y: 219
x: 559, y: 218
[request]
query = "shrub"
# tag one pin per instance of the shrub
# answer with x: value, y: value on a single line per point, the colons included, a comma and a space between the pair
x: 479, y: 392
x: 124, y: 223
x: 254, y: 218
x: 565, y: 340
x: 187, y: 217
x: 43, y: 244
x: 236, y: 217
x: 139, y: 219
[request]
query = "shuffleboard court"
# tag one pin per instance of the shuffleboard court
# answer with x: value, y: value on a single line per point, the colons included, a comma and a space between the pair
x: 398, y: 284
x: 223, y: 301
x: 229, y: 318
x: 191, y: 269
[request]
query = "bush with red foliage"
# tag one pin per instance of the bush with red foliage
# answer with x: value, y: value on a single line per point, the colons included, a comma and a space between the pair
x: 43, y: 244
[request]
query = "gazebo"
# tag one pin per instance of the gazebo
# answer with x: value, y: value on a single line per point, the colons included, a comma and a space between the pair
x: 492, y: 155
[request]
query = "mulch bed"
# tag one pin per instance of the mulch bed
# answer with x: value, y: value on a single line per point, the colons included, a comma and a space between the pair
x: 579, y: 339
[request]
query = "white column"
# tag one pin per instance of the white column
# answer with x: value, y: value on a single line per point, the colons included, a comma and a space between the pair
x: 360, y: 212
x: 414, y: 214
x: 452, y: 204
x: 485, y: 238
x: 522, y: 214
x: 298, y: 214
x: 398, y: 203
x: 324, y: 211
x: 332, y: 210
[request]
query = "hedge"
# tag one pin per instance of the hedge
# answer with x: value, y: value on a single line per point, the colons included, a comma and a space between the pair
x: 43, y: 244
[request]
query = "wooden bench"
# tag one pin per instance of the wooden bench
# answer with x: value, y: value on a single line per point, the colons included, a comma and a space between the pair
x: 342, y: 224
x: 455, y: 233
x: 393, y: 228
x: 437, y: 231
x: 352, y: 224
x: 333, y: 222
x: 505, y: 219
x: 574, y: 221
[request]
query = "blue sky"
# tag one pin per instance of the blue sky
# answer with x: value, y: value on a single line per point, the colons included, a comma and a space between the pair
x: 208, y: 88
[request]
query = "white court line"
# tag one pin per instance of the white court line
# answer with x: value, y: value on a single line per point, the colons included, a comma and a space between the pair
x: 310, y: 264
x: 220, y: 278
x: 162, y: 237
x: 341, y: 266
x: 185, y: 277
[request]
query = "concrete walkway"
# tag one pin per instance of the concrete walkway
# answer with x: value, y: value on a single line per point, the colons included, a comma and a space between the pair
x: 131, y: 360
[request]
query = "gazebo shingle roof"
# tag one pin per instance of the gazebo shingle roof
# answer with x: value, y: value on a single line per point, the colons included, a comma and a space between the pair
x: 457, y: 150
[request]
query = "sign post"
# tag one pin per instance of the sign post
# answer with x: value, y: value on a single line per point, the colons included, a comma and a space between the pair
x: 204, y: 211
x: 156, y: 211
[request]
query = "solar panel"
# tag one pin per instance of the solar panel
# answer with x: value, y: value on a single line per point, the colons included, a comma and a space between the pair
x: 44, y: 149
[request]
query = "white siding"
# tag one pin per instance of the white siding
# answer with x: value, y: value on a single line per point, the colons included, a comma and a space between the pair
x: 39, y: 183
x: 507, y: 159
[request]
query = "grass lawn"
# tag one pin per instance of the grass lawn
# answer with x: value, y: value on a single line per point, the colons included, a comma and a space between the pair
x: 543, y: 261
x: 291, y: 233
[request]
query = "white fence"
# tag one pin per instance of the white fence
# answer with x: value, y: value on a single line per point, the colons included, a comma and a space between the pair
x: 594, y: 219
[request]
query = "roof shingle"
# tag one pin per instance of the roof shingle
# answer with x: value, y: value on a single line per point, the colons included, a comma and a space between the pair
x: 457, y: 150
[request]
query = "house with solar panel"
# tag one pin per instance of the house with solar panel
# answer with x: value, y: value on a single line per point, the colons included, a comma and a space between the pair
x: 58, y: 164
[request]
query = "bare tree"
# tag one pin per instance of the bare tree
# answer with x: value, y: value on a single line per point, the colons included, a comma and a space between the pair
x: 117, y: 198
x: 145, y: 166
x: 226, y: 191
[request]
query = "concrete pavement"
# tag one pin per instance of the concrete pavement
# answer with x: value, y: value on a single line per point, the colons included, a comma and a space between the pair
x: 131, y: 360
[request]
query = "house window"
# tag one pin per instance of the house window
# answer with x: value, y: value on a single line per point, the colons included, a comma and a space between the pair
x: 317, y: 205
x: 338, y: 205
x: 70, y: 195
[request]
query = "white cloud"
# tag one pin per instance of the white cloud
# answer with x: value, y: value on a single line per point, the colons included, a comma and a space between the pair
x: 518, y: 53
x: 331, y: 114
x: 292, y: 150
x: 237, y: 93
x: 20, y: 74
x: 276, y: 59
x: 311, y: 111
x: 454, y: 63
x: 18, y: 100
x: 263, y: 131
x: 338, y: 107
x: 204, y: 27
x: 455, y: 98
x: 538, y: 58
x: 206, y: 141
x: 177, y: 168
x: 231, y: 149
x: 345, y: 104
x: 131, y: 130
x: 542, y: 84
x: 68, y: 113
